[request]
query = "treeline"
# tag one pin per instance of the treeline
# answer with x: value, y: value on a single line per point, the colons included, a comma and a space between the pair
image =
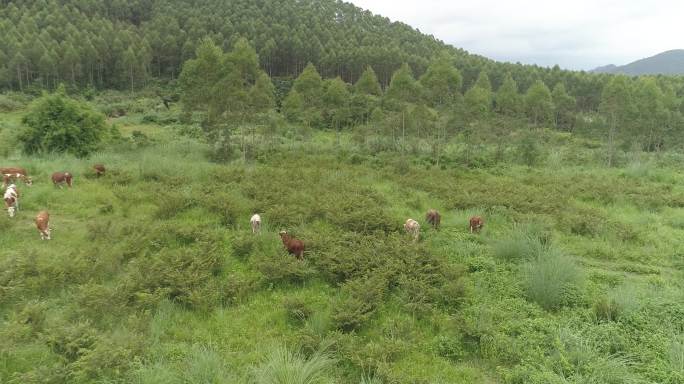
x: 122, y: 44
x: 128, y: 44
x: 224, y: 90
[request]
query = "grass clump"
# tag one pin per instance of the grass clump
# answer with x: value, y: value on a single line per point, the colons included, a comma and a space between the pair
x: 616, y: 304
x: 284, y: 366
x: 524, y: 243
x: 550, y: 277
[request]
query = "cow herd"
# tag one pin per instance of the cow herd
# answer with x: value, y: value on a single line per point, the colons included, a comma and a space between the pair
x: 412, y: 227
x: 11, y: 175
x: 294, y: 246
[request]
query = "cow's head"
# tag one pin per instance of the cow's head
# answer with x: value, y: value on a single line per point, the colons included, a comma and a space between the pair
x: 28, y: 180
x: 11, y: 211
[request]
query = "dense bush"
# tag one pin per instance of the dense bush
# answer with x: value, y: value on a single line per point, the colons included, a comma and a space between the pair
x: 360, y: 299
x: 56, y: 123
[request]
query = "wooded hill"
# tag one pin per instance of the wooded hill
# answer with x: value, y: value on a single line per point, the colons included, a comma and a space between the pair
x: 97, y: 44
x: 109, y: 44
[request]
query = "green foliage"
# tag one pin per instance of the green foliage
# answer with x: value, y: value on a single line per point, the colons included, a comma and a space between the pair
x: 403, y: 88
x: 564, y: 105
x: 478, y: 102
x: 224, y: 86
x: 56, y: 123
x: 442, y: 82
x: 507, y: 98
x: 368, y: 83
x: 297, y: 310
x: 360, y: 299
x: 538, y: 103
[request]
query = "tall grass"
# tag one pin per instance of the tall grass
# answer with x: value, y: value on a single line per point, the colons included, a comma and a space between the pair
x: 617, y: 303
x: 204, y: 365
x: 676, y: 354
x: 549, y: 277
x: 524, y: 243
x: 284, y: 366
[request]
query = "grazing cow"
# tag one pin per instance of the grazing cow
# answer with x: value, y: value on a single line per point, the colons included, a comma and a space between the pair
x: 11, y: 198
x: 59, y: 178
x: 255, y: 222
x: 476, y: 223
x: 294, y: 246
x: 43, y: 225
x: 10, y: 174
x: 412, y: 228
x: 433, y: 218
x: 99, y: 169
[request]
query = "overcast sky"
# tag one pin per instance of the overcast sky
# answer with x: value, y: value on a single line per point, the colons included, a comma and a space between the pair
x: 575, y: 34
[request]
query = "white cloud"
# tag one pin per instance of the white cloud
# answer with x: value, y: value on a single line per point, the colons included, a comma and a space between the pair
x: 579, y: 34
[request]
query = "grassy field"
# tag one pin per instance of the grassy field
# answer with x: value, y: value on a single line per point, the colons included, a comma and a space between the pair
x: 153, y: 275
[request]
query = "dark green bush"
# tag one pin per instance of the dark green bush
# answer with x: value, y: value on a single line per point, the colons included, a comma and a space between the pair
x: 297, y: 310
x: 56, y: 123
x: 359, y: 301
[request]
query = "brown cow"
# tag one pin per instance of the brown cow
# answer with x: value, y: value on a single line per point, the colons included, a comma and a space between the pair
x: 10, y: 174
x: 433, y: 218
x: 43, y: 225
x: 294, y: 246
x: 476, y: 224
x: 99, y: 169
x: 412, y: 228
x: 59, y: 178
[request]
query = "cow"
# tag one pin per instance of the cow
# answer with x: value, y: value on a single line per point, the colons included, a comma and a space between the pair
x: 433, y: 218
x: 412, y: 228
x: 43, y: 225
x: 293, y: 246
x: 255, y: 222
x: 59, y: 178
x: 476, y: 224
x: 10, y: 174
x: 11, y: 198
x: 99, y: 169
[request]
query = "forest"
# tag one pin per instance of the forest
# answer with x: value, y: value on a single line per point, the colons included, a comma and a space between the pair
x: 336, y: 125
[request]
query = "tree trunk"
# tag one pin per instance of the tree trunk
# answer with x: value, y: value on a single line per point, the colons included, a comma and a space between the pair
x: 19, y: 77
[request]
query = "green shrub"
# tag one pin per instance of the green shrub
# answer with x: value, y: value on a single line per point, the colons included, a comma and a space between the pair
x: 359, y: 301
x: 549, y: 276
x: 110, y: 358
x: 279, y: 267
x: 283, y: 366
x: 56, y: 123
x: 449, y: 347
x: 8, y: 104
x: 297, y: 310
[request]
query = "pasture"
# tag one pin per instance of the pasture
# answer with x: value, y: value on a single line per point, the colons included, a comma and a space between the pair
x: 153, y: 274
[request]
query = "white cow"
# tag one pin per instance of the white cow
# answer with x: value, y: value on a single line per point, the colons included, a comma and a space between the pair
x: 255, y: 222
x: 412, y: 228
x: 11, y: 198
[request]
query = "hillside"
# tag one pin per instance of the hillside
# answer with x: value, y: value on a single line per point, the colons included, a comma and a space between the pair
x: 153, y: 275
x: 665, y: 63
